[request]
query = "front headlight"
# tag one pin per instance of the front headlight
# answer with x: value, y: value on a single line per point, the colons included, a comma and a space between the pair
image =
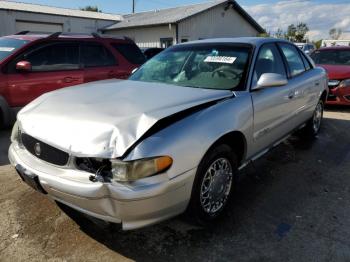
x: 15, y: 133
x: 345, y: 83
x: 133, y: 170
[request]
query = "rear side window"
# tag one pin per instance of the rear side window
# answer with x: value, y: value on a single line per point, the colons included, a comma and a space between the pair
x: 54, y: 57
x: 131, y: 52
x: 96, y: 55
x: 295, y: 63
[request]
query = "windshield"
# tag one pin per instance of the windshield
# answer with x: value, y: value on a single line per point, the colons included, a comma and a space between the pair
x: 9, y: 45
x: 203, y: 66
x: 331, y: 57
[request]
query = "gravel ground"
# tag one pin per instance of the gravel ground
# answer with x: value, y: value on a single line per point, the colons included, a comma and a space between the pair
x: 291, y: 205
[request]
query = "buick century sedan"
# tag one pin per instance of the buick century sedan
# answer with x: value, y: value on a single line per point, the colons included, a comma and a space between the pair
x: 172, y: 137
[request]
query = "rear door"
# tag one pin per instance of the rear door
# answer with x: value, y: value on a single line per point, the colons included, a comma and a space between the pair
x: 273, y: 106
x: 303, y: 80
x: 99, y: 63
x: 54, y: 65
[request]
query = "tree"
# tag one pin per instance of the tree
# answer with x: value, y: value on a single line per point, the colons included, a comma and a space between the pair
x: 301, y: 31
x: 279, y: 34
x: 291, y: 31
x: 317, y: 43
x: 265, y: 34
x: 335, y: 33
x: 90, y: 8
x: 297, y: 33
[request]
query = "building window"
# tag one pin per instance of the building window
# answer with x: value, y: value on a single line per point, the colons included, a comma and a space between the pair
x: 184, y: 40
x: 166, y: 42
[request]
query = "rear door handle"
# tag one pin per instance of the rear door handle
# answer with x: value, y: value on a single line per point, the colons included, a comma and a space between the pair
x: 317, y: 83
x: 291, y: 95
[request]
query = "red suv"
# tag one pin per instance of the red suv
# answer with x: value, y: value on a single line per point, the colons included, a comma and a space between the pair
x: 33, y: 64
x: 336, y: 61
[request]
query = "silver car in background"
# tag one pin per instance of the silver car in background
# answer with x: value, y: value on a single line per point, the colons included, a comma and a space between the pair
x: 306, y: 47
x: 173, y: 137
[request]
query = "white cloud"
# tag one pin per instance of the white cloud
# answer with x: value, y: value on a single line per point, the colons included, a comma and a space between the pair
x: 320, y: 17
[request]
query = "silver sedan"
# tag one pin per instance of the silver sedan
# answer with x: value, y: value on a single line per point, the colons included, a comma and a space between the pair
x: 173, y: 137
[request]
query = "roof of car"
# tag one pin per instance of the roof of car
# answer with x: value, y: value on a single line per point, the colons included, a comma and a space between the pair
x: 256, y: 41
x: 36, y: 36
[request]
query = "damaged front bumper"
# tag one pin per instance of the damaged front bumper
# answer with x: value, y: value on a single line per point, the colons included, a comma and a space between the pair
x: 134, y: 205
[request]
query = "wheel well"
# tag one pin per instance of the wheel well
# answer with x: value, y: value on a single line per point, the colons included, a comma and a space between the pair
x: 324, y: 97
x: 236, y: 140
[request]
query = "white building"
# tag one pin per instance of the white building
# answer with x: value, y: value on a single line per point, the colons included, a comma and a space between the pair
x: 16, y: 17
x: 162, y: 28
x: 219, y: 18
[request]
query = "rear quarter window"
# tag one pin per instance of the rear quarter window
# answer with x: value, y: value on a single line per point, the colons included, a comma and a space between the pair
x: 131, y: 52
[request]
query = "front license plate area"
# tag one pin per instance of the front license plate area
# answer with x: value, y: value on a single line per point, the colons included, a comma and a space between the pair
x: 30, y: 179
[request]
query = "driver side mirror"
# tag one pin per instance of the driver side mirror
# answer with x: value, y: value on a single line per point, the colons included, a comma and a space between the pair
x: 270, y: 80
x: 24, y: 66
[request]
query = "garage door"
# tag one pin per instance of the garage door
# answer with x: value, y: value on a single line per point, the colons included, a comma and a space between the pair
x: 38, y: 27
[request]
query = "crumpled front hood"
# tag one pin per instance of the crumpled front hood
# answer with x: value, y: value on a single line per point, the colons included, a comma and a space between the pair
x: 105, y: 118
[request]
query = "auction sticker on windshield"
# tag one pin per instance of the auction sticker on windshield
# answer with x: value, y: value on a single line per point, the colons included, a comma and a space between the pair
x: 220, y: 59
x: 7, y: 49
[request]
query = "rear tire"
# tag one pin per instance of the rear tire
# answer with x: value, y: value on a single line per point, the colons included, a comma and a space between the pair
x: 313, y: 126
x: 213, y: 185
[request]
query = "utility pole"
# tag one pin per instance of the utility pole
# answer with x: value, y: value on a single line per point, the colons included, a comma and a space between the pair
x: 133, y: 6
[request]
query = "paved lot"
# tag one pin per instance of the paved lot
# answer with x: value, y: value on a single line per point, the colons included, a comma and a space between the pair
x: 292, y: 205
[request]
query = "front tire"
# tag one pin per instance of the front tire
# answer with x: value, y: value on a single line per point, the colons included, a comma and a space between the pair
x: 213, y: 184
x: 313, y: 126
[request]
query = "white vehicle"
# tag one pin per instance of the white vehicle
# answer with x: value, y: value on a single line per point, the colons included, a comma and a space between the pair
x: 306, y: 47
x: 332, y: 42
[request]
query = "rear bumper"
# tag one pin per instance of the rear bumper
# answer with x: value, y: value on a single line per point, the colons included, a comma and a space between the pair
x: 133, y: 206
x: 339, y: 96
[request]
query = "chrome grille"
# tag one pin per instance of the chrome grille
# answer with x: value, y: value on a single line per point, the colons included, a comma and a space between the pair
x: 44, y: 151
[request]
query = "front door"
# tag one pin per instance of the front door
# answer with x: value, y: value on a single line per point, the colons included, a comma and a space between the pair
x: 273, y: 106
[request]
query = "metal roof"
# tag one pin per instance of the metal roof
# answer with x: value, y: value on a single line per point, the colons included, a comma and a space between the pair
x: 176, y: 14
x: 256, y: 41
x: 33, y: 8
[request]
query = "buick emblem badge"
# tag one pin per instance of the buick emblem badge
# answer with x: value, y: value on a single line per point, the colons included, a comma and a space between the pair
x: 37, y: 149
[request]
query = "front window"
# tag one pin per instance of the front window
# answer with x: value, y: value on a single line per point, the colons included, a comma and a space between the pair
x: 202, y: 66
x: 9, y: 46
x: 331, y: 57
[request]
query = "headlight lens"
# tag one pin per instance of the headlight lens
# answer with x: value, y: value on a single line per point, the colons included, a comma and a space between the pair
x: 345, y: 83
x: 133, y: 170
x: 15, y: 133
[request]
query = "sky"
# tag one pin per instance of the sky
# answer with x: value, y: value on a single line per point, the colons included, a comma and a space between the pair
x: 319, y: 15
